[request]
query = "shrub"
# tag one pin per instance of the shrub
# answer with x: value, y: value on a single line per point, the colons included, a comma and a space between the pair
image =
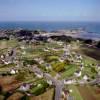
x: 58, y: 67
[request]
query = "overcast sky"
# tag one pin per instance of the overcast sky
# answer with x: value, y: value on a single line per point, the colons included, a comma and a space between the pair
x: 49, y: 10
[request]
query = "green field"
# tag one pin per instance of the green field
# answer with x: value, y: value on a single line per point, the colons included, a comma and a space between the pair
x: 69, y: 71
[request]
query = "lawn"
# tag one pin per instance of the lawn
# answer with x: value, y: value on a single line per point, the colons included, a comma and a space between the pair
x: 69, y: 71
x: 88, y: 69
x: 39, y: 88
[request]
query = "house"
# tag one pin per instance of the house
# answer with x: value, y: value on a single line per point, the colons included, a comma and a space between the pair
x: 49, y: 82
x: 78, y: 73
x: 48, y: 66
x: 54, y: 49
x: 38, y: 75
x: 60, y: 43
x: 61, y: 59
x: 39, y: 85
x: 98, y: 66
x: 70, y: 90
x: 2, y: 56
x: 69, y: 81
x: 85, y: 77
x: 13, y: 71
x: 24, y: 87
x: 66, y: 53
x: 7, y: 62
x: 82, y: 66
x: 24, y: 53
x: 37, y: 72
x: 46, y: 49
x: 49, y: 40
x: 57, y: 76
x: 39, y: 60
x: 22, y: 47
x: 79, y: 57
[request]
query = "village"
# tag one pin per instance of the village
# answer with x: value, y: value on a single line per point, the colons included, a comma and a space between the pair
x: 55, y: 70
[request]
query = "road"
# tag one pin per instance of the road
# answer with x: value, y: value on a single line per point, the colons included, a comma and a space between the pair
x: 57, y: 83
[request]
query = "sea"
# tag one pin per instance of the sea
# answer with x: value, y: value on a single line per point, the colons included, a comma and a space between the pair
x: 92, y: 29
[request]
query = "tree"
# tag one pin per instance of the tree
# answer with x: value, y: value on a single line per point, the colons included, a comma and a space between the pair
x: 98, y: 45
x: 36, y: 32
x: 88, y: 41
x: 58, y: 67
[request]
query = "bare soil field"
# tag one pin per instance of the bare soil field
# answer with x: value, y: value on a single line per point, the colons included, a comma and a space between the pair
x: 89, y: 93
x: 45, y: 96
x: 9, y: 83
x: 16, y: 96
x: 90, y: 51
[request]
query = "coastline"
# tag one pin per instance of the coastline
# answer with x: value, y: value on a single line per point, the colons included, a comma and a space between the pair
x: 92, y: 29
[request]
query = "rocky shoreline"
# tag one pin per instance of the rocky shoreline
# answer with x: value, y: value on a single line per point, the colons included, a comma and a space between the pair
x: 38, y: 35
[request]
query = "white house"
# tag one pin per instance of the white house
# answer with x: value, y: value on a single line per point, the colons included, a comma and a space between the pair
x: 22, y: 47
x: 38, y: 75
x: 85, y: 77
x: 24, y: 53
x: 78, y: 74
x: 48, y: 66
x: 2, y: 56
x: 61, y: 59
x: 12, y: 72
x: 57, y: 76
x: 24, y: 87
x: 60, y: 43
x: 49, y: 82
x: 69, y: 81
x: 7, y: 62
x: 98, y: 66
x: 46, y: 49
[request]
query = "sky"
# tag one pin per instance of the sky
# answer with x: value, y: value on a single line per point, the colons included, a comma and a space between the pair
x: 49, y: 10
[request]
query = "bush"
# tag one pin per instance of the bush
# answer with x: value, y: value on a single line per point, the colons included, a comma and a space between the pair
x: 25, y: 98
x: 58, y: 67
x: 89, y: 41
x: 30, y: 62
x: 21, y: 76
x: 98, y: 45
x: 52, y: 58
x: 39, y: 90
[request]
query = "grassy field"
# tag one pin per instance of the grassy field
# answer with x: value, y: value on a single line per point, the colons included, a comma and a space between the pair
x: 69, y: 71
x: 75, y: 93
x: 85, y: 92
x: 7, y: 44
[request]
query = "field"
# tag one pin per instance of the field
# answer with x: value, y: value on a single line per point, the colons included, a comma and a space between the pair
x: 69, y: 71
x: 75, y: 93
x: 86, y: 92
x: 9, y: 83
x: 48, y: 95
x: 89, y: 92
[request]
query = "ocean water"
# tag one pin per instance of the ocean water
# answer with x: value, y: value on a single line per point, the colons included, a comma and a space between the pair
x: 92, y: 28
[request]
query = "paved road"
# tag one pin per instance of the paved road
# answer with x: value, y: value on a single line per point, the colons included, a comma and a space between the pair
x: 57, y: 83
x: 95, y: 81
